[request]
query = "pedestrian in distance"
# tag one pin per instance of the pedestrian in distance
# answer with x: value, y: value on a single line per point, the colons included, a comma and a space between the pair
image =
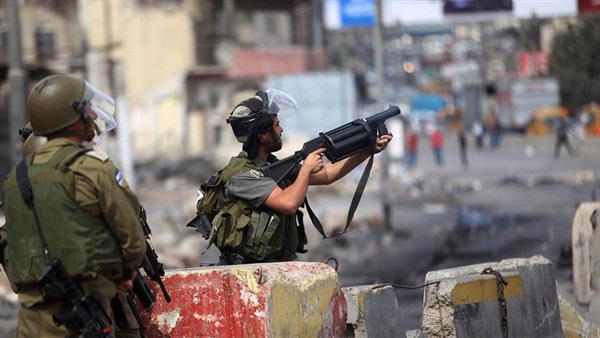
x: 410, y: 153
x: 436, y: 139
x: 495, y: 131
x: 477, y: 131
x: 259, y: 221
x: 462, y: 144
x: 71, y: 218
x: 562, y: 138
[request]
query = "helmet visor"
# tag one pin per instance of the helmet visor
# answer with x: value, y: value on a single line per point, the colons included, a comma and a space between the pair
x: 280, y: 103
x: 99, y: 108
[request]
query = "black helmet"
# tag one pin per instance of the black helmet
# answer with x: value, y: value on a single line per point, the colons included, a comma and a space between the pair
x: 255, y: 115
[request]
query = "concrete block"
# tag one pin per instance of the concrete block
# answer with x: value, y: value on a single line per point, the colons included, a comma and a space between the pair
x: 468, y: 306
x: 373, y: 312
x: 575, y: 324
x: 586, y: 253
x: 535, y: 313
x: 293, y: 299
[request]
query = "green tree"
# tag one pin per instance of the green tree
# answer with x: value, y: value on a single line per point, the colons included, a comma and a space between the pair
x: 575, y: 61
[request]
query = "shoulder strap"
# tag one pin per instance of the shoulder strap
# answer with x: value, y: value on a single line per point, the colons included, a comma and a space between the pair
x: 235, y: 166
x: 353, y: 205
x: 24, y: 184
x: 65, y: 156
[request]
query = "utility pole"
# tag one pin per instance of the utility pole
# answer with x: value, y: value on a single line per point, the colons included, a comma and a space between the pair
x: 378, y: 43
x: 17, y: 79
x: 116, y: 83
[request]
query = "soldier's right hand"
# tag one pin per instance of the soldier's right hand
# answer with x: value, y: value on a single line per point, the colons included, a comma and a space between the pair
x: 314, y: 161
x: 126, y: 284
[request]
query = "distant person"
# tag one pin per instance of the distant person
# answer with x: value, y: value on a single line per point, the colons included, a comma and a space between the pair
x: 562, y: 138
x: 462, y: 144
x: 477, y: 131
x: 436, y: 138
x: 411, y: 149
x: 495, y: 132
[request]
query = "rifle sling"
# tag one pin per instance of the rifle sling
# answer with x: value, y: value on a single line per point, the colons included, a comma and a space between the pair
x: 27, y: 195
x: 353, y: 205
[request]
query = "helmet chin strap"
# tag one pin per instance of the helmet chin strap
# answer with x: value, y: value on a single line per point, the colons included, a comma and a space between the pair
x: 91, y: 128
x: 252, y: 144
x: 275, y: 144
x: 89, y: 132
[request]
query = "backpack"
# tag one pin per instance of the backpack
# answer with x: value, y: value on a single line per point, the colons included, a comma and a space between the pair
x: 210, y: 200
x: 211, y: 195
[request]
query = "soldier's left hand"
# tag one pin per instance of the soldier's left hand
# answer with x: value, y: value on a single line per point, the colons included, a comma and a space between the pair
x: 382, y: 142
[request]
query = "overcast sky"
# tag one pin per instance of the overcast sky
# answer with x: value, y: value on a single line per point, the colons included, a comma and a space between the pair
x: 414, y: 12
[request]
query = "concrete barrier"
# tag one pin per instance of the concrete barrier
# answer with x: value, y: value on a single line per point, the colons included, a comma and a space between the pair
x: 373, y: 311
x: 464, y: 303
x: 294, y: 299
x: 576, y: 323
x: 585, y: 240
x: 300, y: 299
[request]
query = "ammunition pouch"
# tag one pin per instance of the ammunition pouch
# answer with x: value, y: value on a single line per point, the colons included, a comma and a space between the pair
x: 259, y: 236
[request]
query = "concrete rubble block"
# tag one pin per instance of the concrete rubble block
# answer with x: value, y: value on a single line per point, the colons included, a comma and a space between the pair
x: 534, y: 312
x: 586, y: 251
x: 292, y: 299
x: 574, y: 323
x: 468, y: 306
x: 373, y: 311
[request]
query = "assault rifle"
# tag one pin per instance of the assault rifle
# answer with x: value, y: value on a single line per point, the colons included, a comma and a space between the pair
x: 340, y: 143
x: 142, y: 292
x: 79, y: 310
x: 153, y: 268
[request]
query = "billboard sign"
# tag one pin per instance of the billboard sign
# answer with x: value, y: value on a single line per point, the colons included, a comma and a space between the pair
x: 357, y: 13
x: 533, y: 64
x: 586, y: 6
x: 471, y: 6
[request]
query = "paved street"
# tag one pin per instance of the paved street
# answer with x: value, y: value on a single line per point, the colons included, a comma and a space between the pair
x: 514, y: 201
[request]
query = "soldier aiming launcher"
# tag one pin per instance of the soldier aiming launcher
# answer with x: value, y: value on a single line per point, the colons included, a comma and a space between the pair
x: 340, y: 143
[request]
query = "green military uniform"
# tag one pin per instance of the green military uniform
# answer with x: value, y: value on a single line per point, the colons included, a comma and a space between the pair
x: 246, y: 228
x: 101, y: 195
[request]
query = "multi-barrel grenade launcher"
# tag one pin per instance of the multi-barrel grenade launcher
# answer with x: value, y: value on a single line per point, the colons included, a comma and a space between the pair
x: 340, y: 143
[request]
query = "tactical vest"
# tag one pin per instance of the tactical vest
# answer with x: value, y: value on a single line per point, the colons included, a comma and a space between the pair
x: 83, y: 243
x: 260, y: 234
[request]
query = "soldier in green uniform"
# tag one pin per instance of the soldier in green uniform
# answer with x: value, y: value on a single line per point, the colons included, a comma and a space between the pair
x: 259, y: 221
x: 83, y: 213
x: 128, y: 329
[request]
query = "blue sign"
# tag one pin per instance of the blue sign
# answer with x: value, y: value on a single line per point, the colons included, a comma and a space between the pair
x: 357, y: 13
